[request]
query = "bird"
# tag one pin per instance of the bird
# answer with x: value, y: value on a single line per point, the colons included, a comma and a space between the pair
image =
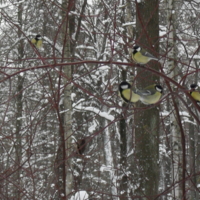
x: 194, y: 92
x: 37, y: 41
x: 151, y: 94
x: 127, y: 93
x: 141, y: 56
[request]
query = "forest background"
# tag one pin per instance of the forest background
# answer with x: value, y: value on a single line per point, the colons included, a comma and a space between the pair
x: 63, y: 126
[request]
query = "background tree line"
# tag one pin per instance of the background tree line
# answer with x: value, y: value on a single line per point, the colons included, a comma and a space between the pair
x: 63, y: 126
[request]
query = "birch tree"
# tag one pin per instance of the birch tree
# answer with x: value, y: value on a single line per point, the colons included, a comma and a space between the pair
x: 174, y: 126
x: 63, y: 160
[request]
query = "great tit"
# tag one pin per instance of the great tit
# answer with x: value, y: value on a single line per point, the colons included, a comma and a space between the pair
x: 141, y: 56
x: 128, y: 94
x: 194, y: 92
x: 37, y: 41
x: 150, y: 94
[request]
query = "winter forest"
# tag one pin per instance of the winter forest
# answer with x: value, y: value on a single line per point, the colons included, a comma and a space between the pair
x: 65, y: 132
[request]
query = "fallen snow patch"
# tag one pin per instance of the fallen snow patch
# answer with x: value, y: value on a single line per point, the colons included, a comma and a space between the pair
x: 81, y: 195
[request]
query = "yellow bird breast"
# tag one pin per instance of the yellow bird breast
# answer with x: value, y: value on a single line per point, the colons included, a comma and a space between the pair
x: 39, y: 44
x: 139, y: 58
x: 195, y: 95
x: 130, y: 96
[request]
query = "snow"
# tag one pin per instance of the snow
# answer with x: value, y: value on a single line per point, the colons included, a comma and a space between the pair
x: 106, y: 168
x: 73, y: 95
x: 184, y: 113
x: 129, y: 23
x: 162, y: 30
x: 19, y: 2
x: 81, y: 195
x: 92, y: 127
x: 3, y: 6
x: 195, y: 57
x: 21, y: 73
x: 97, y: 111
x: 85, y: 47
x: 105, y: 67
x: 163, y: 150
x: 165, y: 113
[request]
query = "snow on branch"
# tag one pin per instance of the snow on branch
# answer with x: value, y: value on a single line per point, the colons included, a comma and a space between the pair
x: 96, y: 111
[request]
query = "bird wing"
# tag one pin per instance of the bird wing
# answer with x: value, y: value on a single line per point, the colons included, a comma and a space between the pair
x: 144, y: 92
x: 149, y: 90
x: 147, y: 54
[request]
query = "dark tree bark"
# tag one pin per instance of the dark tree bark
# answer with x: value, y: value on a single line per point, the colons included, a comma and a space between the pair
x: 147, y: 121
x: 19, y: 108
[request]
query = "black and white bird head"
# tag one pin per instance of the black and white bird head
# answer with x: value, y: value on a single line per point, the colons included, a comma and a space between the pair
x: 124, y: 85
x: 194, y: 86
x: 159, y: 88
x: 38, y: 37
x: 136, y: 48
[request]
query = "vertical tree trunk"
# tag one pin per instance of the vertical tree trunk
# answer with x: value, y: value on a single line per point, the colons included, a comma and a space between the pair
x: 123, y: 147
x: 18, y: 142
x: 63, y: 162
x: 19, y: 107
x: 192, y: 159
x: 176, y: 144
x: 68, y: 129
x: 147, y: 121
x: 166, y: 163
x: 68, y: 51
x: 123, y: 157
x: 194, y: 148
x: 127, y: 16
x: 109, y: 157
x: 197, y: 159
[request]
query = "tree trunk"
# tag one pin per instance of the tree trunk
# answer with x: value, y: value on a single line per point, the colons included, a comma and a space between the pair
x: 19, y: 108
x: 147, y: 121
x: 68, y: 51
x: 176, y: 143
x: 123, y: 157
x: 109, y: 158
x: 63, y: 162
x: 194, y: 148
